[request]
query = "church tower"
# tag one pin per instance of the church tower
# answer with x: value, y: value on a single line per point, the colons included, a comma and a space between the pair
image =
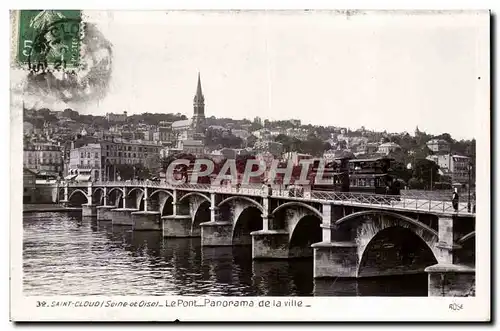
x: 198, y: 122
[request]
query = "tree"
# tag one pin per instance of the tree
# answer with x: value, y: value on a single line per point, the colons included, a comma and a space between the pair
x: 125, y: 171
x: 426, y: 171
x: 399, y: 170
x: 414, y: 183
x: 152, y: 162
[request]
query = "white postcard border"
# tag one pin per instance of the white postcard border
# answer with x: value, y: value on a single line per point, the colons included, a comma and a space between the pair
x: 24, y: 308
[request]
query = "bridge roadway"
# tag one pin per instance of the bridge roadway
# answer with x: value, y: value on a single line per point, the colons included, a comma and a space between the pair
x: 428, y: 202
x: 348, y: 234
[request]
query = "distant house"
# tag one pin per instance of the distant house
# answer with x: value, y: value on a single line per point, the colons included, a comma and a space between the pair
x: 389, y: 147
x: 296, y: 157
x: 439, y: 146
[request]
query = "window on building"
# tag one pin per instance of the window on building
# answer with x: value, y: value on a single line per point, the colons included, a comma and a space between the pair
x: 81, y: 162
x: 134, y: 154
x: 107, y: 153
x: 96, y: 155
x: 81, y: 155
x: 88, y: 155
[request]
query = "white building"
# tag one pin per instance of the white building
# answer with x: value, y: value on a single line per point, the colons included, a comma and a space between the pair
x: 439, y: 146
x: 389, y: 147
x: 455, y: 166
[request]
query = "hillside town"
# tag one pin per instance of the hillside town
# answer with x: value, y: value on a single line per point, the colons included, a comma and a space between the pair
x: 66, y: 145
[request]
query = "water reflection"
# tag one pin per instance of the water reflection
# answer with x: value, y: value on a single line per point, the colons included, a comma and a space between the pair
x: 408, y: 285
x: 68, y: 255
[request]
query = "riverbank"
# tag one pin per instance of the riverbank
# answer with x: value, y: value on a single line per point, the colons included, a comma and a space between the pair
x: 49, y: 207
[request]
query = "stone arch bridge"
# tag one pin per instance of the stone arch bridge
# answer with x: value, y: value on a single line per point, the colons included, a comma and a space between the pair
x: 347, y: 234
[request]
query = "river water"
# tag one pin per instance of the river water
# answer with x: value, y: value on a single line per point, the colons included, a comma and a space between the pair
x: 64, y: 254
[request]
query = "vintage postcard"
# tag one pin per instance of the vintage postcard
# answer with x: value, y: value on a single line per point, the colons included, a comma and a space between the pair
x: 293, y: 165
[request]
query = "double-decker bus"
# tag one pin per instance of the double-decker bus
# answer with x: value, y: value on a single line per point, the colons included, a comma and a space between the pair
x: 355, y: 175
x: 331, y: 176
x: 373, y: 176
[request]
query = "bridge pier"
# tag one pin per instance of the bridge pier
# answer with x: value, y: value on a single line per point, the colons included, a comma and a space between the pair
x: 446, y: 278
x: 218, y: 233
x: 176, y: 226
x: 270, y: 244
x: 451, y: 280
x: 89, y: 210
x: 335, y: 259
x: 336, y: 255
x: 146, y: 220
x: 104, y: 213
x: 180, y: 223
x: 122, y: 216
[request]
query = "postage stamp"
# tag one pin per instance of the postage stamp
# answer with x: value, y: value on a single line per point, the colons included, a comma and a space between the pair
x: 49, y: 39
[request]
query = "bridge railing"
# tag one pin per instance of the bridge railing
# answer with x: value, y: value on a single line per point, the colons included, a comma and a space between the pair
x: 430, y: 201
x: 414, y: 202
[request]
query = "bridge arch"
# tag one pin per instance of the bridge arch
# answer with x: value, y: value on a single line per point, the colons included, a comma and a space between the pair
x: 75, y: 191
x: 304, y: 231
x: 466, y: 250
x: 161, y: 190
x: 83, y: 199
x: 416, y: 225
x: 395, y: 250
x: 190, y: 194
x: 135, y: 189
x: 98, y: 196
x: 247, y: 218
x: 243, y: 198
x: 199, y: 214
x: 387, y: 241
x: 60, y: 194
x: 298, y: 204
x: 465, y: 238
x: 95, y: 190
x: 115, y: 189
x: 140, y: 200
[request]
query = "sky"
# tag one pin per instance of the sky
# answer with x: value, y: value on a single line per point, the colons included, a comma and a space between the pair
x: 379, y: 70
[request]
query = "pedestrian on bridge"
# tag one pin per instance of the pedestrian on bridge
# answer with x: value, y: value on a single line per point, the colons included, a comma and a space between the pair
x: 454, y: 199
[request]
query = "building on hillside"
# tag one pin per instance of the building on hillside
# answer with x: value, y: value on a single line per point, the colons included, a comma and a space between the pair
x: 116, y: 118
x: 189, y: 146
x: 388, y: 147
x: 296, y: 157
x: 455, y: 166
x: 168, y: 151
x: 273, y: 147
x: 243, y: 134
x: 99, y: 160
x: 43, y: 158
x: 368, y: 148
x: 163, y: 132
x: 439, y: 146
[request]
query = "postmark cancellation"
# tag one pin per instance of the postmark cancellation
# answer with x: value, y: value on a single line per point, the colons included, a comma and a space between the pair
x: 46, y: 40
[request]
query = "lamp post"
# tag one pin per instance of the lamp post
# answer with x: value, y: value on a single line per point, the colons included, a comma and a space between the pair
x: 469, y: 168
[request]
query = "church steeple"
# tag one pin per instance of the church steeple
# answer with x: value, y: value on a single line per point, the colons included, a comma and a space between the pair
x: 198, y: 123
x: 199, y: 99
